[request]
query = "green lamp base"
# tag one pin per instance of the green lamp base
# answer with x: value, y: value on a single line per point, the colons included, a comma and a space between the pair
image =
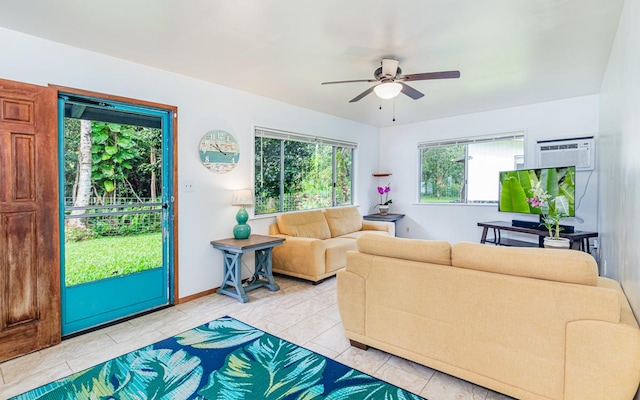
x: 242, y: 230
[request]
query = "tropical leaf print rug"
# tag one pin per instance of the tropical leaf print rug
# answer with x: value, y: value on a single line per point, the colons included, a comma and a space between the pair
x: 223, y: 359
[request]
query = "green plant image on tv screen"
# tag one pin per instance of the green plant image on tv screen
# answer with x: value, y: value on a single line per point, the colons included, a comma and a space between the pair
x: 517, y: 186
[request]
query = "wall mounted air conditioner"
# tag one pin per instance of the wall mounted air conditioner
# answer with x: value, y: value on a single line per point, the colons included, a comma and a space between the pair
x: 580, y: 152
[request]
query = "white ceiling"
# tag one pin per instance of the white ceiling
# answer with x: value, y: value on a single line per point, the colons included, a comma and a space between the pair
x: 509, y: 52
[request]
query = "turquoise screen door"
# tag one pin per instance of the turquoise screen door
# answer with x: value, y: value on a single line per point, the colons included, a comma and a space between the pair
x: 116, y: 212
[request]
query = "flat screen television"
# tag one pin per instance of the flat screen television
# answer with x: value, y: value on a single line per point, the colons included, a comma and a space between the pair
x: 516, y: 189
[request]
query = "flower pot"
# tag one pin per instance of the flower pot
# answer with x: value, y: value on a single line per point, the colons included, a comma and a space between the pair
x: 384, y: 210
x: 551, y: 243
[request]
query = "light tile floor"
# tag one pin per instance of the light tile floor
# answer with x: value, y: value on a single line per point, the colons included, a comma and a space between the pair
x: 304, y: 314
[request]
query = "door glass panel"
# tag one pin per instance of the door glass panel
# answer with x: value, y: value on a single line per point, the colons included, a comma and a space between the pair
x: 112, y: 194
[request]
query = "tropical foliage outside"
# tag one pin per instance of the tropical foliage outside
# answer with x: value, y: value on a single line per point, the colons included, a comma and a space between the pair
x: 123, y: 160
x: 441, y: 175
x: 303, y: 179
x: 111, y: 181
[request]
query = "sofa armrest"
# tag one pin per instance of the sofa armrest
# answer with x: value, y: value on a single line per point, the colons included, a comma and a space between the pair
x: 274, y: 230
x: 300, y: 255
x: 389, y: 227
x: 603, y: 360
x: 351, y: 295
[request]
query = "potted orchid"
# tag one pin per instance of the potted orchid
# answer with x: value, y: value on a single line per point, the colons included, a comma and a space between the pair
x: 384, y: 205
x: 553, y: 209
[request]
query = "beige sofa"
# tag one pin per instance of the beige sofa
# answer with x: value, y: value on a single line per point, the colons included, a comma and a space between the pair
x: 530, y: 323
x: 318, y: 240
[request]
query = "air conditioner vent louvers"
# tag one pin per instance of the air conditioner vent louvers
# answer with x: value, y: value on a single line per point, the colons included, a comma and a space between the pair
x: 565, y: 152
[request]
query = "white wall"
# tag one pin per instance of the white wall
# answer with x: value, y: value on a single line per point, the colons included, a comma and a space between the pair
x: 574, y: 117
x: 206, y: 213
x: 620, y: 162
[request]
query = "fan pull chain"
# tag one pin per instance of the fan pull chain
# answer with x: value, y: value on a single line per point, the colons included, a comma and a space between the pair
x: 380, y: 104
x: 394, y: 109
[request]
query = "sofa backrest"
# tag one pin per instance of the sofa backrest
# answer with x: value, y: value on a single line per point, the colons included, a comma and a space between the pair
x: 429, y: 251
x: 549, y: 264
x: 343, y: 220
x: 311, y: 224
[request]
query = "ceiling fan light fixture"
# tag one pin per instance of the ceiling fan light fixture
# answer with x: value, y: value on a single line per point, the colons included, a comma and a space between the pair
x: 388, y: 90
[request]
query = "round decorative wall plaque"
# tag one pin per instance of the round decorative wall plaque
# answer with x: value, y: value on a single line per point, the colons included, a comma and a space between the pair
x: 219, y: 151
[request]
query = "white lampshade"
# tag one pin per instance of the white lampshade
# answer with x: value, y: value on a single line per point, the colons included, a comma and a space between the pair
x: 388, y: 90
x: 242, y: 197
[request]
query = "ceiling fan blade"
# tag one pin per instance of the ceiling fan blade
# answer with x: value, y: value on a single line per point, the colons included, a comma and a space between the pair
x: 431, y: 75
x: 361, y: 95
x: 358, y: 80
x: 411, y: 92
x: 389, y: 67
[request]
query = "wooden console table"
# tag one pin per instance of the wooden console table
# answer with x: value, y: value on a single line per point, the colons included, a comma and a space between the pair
x: 232, y: 250
x: 579, y: 239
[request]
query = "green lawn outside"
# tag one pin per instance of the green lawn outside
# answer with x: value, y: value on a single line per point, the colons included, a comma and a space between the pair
x: 425, y: 199
x: 105, y: 257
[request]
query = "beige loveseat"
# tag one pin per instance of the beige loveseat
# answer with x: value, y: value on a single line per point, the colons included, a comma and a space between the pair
x: 318, y: 240
x: 530, y: 323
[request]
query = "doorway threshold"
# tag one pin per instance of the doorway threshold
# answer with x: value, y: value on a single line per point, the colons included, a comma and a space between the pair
x: 116, y: 322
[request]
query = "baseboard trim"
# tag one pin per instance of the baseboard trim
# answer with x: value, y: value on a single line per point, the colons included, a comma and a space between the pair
x: 196, y: 295
x: 202, y: 294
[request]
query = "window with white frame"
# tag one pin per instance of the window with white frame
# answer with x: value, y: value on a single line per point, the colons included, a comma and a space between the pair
x: 299, y: 172
x: 466, y: 170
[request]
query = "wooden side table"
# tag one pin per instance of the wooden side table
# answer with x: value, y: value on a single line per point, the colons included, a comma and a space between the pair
x: 232, y: 251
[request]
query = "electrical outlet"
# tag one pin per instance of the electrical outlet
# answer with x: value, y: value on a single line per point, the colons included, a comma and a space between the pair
x: 188, y: 186
x: 407, y: 229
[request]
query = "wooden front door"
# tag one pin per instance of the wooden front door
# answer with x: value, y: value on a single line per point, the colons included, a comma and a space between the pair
x: 29, y: 219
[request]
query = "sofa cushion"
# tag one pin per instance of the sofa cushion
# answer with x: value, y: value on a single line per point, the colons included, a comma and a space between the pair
x: 336, y: 252
x: 343, y: 220
x: 430, y: 251
x: 553, y: 265
x: 311, y: 224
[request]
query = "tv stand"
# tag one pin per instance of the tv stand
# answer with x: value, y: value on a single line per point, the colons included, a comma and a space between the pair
x: 579, y: 239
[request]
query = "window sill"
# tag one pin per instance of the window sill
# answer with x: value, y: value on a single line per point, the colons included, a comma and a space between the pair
x: 458, y: 204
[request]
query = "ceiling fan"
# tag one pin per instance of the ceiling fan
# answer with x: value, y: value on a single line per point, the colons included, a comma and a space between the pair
x: 390, y: 81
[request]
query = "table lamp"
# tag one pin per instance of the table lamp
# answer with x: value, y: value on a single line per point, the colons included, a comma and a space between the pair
x: 242, y: 198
